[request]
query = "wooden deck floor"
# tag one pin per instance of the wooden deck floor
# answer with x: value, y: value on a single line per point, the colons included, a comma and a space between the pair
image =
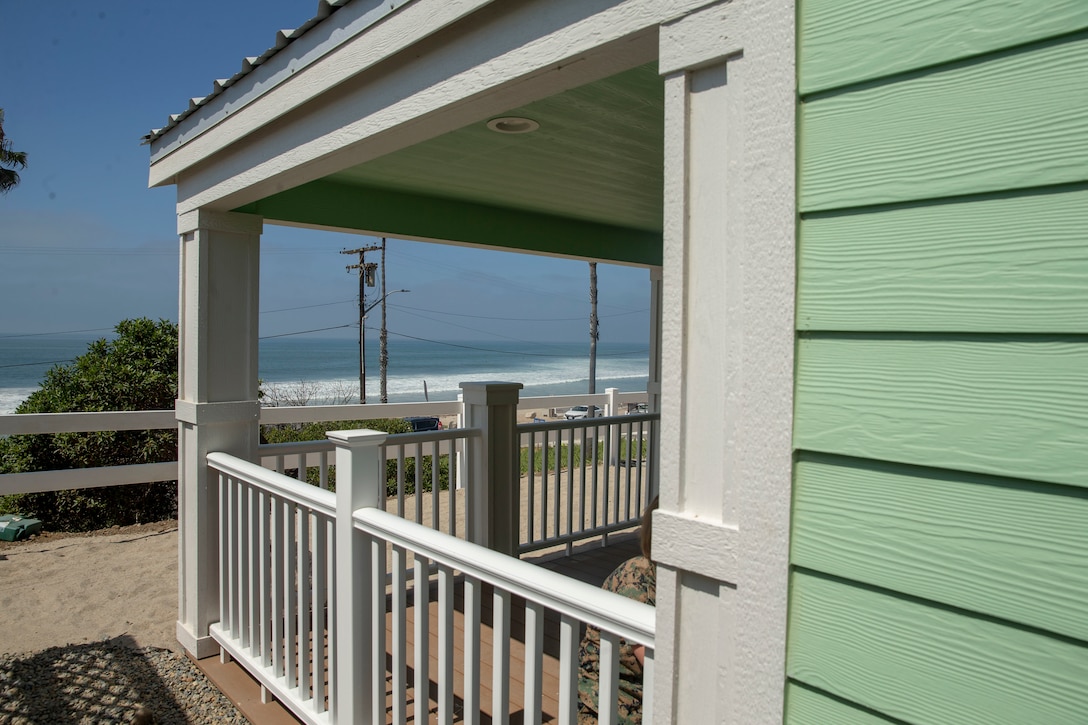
x: 589, y: 562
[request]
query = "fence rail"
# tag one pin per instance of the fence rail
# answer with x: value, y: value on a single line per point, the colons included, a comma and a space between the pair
x: 586, y: 477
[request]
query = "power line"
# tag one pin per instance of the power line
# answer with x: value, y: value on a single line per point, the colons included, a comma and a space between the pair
x: 306, y: 307
x: 24, y: 365
x: 517, y: 319
x: 305, y: 332
x: 66, y: 332
x: 509, y: 352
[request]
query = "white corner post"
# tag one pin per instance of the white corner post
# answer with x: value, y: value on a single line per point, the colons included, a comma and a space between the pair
x: 217, y: 408
x: 360, y: 483
x: 494, y: 498
x: 721, y: 535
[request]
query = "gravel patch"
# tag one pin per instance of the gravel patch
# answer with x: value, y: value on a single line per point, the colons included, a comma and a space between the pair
x: 108, y: 682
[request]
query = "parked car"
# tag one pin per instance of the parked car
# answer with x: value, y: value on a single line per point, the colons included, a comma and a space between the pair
x: 581, y: 411
x: 424, y: 422
x: 636, y: 408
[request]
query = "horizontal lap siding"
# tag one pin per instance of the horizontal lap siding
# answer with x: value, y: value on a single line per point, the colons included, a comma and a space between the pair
x: 806, y: 707
x: 941, y: 490
x: 930, y: 665
x: 981, y: 126
x: 1012, y: 407
x: 844, y: 42
x: 1002, y: 547
x: 1007, y: 263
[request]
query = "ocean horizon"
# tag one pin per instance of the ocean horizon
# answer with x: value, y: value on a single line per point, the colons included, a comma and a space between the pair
x: 326, y: 370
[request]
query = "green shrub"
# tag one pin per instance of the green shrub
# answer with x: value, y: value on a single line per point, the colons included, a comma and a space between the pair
x: 295, y: 433
x: 135, y: 371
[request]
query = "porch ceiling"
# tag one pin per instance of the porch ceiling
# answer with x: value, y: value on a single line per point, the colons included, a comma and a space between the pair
x: 588, y: 183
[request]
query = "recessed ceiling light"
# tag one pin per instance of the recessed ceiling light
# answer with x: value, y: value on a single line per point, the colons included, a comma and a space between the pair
x: 513, y: 124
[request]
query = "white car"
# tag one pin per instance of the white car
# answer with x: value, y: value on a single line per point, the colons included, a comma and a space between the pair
x: 581, y: 411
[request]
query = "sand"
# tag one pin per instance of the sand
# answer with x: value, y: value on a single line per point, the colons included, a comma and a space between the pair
x: 57, y: 590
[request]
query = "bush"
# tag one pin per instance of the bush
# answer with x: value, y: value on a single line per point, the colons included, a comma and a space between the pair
x: 295, y: 433
x: 135, y: 371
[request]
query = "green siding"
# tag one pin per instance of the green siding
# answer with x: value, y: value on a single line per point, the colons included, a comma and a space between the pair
x: 1009, y: 549
x: 940, y: 520
x: 849, y: 41
x: 952, y: 131
x: 806, y: 707
x: 930, y: 665
x: 1010, y: 263
x: 1007, y: 407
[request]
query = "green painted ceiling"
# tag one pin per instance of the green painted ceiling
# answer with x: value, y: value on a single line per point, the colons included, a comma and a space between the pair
x: 587, y: 183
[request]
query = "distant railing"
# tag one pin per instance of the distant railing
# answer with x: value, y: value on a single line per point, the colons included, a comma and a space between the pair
x: 586, y: 477
x: 425, y: 469
x: 60, y: 480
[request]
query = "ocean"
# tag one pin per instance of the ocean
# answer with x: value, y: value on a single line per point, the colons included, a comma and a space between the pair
x: 321, y: 371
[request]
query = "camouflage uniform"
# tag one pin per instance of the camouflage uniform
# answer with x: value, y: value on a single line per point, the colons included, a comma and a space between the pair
x: 635, y: 579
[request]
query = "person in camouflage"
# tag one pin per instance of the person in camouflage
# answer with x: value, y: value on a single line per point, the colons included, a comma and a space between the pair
x: 635, y: 579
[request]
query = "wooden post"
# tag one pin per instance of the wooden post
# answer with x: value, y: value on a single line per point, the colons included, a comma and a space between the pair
x: 217, y: 407
x: 494, y: 518
x: 360, y: 483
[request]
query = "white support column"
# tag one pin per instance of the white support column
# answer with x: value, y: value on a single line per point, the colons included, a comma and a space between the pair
x: 493, y: 498
x: 217, y: 408
x: 722, y: 531
x: 360, y: 482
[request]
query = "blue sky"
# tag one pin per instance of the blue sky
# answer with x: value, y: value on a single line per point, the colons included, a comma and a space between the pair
x: 84, y: 243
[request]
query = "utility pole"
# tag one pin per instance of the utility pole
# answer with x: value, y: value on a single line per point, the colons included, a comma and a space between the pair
x: 383, y: 358
x: 366, y: 279
x: 594, y: 331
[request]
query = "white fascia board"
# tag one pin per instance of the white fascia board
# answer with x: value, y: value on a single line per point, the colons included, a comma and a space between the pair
x: 503, y: 57
x: 311, y: 49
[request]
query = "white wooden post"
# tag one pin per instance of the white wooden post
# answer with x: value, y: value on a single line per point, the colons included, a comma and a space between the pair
x: 493, y: 513
x: 360, y: 483
x: 612, y: 406
x: 459, y: 445
x: 217, y: 408
x: 728, y: 338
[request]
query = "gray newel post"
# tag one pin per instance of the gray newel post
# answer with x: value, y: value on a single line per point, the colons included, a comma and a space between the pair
x: 494, y: 520
x: 360, y: 483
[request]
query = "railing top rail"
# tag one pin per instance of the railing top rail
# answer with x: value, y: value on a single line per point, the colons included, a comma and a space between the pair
x: 321, y: 413
x: 450, y: 434
x: 605, y: 610
x: 35, y: 423
x: 293, y: 447
x: 297, y: 492
x: 587, y: 422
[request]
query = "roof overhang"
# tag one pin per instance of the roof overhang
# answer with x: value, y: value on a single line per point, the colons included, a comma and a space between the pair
x: 351, y: 124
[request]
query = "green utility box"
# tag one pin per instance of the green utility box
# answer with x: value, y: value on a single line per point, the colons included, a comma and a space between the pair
x: 15, y: 528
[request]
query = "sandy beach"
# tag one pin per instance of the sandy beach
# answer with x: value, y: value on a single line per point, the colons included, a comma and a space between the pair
x: 62, y: 589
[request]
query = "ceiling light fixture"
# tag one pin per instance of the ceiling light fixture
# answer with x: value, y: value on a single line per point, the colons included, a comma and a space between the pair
x: 513, y: 124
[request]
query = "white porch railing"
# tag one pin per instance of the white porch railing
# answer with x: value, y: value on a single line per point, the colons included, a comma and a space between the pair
x: 308, y: 576
x: 585, y: 478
